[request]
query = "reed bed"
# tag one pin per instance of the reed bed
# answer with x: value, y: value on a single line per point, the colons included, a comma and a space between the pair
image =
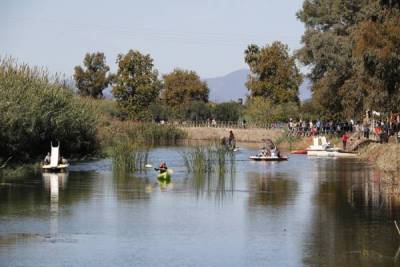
x: 128, y: 156
x: 35, y: 109
x: 210, y: 166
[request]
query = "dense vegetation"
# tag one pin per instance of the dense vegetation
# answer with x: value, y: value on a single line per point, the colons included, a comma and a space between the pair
x: 353, y: 50
x: 36, y: 109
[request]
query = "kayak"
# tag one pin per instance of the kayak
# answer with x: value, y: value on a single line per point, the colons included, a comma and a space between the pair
x: 164, y: 176
x: 299, y: 151
x: 264, y: 158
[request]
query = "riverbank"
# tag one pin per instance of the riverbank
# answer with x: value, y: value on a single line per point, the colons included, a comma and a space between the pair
x: 252, y: 136
x: 386, y: 157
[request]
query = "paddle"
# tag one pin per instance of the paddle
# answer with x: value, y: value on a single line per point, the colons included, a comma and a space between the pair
x: 170, y: 171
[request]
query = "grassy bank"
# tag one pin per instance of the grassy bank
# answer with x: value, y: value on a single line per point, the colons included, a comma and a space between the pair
x: 386, y: 157
x: 35, y: 109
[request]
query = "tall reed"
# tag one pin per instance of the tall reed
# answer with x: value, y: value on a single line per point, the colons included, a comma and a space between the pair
x: 209, y: 166
x: 35, y: 109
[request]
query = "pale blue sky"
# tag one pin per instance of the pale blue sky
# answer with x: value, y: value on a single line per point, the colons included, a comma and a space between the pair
x: 208, y: 36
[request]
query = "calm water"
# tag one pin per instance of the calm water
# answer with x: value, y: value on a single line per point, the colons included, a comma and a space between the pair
x: 304, y: 212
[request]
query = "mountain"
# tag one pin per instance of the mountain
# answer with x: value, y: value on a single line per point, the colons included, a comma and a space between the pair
x: 228, y: 87
x: 232, y: 87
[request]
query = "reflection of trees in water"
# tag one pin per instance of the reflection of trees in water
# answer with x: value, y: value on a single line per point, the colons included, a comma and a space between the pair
x: 130, y: 187
x: 270, y: 189
x: 26, y: 195
x: 218, y: 184
x: 352, y: 218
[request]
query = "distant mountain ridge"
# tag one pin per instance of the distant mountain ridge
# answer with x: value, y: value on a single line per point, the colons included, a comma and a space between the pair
x: 232, y: 86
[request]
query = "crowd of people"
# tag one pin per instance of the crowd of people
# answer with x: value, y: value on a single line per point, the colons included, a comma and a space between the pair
x: 320, y: 127
x: 378, y: 130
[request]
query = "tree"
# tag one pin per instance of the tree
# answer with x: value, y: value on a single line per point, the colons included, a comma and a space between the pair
x: 183, y: 87
x: 92, y: 79
x: 227, y: 112
x: 136, y: 84
x: 342, y: 45
x: 197, y: 111
x: 273, y: 73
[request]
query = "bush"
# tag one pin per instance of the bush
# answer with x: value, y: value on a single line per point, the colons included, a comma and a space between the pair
x: 36, y: 109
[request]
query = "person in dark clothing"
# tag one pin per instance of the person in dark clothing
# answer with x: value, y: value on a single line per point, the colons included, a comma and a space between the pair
x: 231, y: 140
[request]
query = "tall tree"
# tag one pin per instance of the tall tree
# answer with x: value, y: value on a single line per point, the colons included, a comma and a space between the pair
x: 93, y: 78
x: 136, y: 84
x: 335, y: 47
x: 181, y: 87
x: 273, y: 73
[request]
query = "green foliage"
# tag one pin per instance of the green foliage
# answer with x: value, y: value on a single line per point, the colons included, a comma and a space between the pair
x: 182, y: 87
x: 352, y: 48
x: 207, y: 159
x: 261, y: 110
x: 273, y: 73
x: 128, y: 156
x: 197, y: 111
x: 136, y: 85
x: 35, y: 111
x: 93, y: 78
x: 160, y: 110
x: 227, y: 112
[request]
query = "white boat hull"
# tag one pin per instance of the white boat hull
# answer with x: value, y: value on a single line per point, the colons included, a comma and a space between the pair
x: 330, y: 154
x: 58, y: 168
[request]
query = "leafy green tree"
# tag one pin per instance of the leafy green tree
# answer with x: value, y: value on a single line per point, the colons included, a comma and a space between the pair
x: 261, y: 110
x: 273, y: 73
x: 345, y: 43
x: 136, y: 85
x: 182, y: 87
x: 197, y: 111
x: 93, y: 78
x: 227, y: 112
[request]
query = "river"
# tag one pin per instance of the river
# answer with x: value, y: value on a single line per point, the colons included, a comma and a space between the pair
x: 303, y: 212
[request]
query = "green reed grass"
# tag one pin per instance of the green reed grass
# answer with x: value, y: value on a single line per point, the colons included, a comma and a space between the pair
x: 35, y: 109
x: 209, y: 166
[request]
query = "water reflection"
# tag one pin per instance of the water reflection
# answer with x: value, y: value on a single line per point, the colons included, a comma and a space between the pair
x: 273, y: 189
x: 129, y: 186
x: 352, y: 222
x: 52, y: 183
x: 218, y: 185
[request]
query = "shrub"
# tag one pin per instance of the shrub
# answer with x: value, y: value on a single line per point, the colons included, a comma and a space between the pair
x: 36, y: 109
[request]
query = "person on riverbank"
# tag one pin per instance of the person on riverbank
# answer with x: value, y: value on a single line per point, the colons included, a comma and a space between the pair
x: 345, y: 138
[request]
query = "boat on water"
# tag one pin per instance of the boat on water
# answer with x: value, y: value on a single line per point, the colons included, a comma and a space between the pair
x: 269, y: 153
x: 322, y: 148
x: 55, y: 165
x: 299, y: 152
x: 268, y: 158
x: 164, y: 176
x: 319, y: 144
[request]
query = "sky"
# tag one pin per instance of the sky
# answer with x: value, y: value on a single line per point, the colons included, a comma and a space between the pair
x: 207, y: 36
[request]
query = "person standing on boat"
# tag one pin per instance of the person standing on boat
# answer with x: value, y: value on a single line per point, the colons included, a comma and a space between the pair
x: 345, y: 138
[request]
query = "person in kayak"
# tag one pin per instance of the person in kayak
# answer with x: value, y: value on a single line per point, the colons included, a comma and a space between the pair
x: 163, y: 167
